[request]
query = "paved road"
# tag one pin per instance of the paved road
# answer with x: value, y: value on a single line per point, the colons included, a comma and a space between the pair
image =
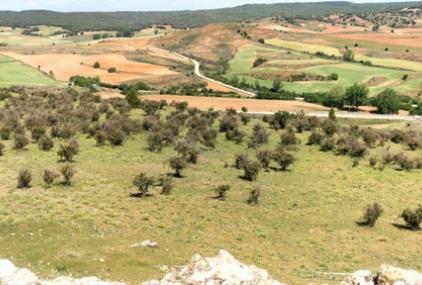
x: 200, y: 75
x: 354, y: 115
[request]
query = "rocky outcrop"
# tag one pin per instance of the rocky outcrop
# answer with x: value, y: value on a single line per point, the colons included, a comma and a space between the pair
x: 11, y: 275
x: 223, y: 269
x: 387, y: 275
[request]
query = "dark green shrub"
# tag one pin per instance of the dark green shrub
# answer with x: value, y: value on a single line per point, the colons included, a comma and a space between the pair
x: 67, y: 151
x: 177, y: 164
x: 37, y: 133
x: 221, y: 192
x: 166, y: 183
x: 228, y: 123
x: 283, y: 158
x: 251, y: 170
x: 240, y: 160
x: 315, y: 138
x: 100, y: 138
x: 20, y: 141
x: 403, y: 161
x: 143, y: 182
x: 1, y: 149
x: 5, y: 133
x: 244, y: 118
x: 67, y: 171
x: 264, y: 157
x: 259, y: 136
x: 49, y: 176
x: 387, y: 102
x: 24, y: 178
x: 45, y: 143
x: 254, y: 196
x: 235, y: 135
x: 413, y: 218
x: 189, y: 150
x: 289, y: 137
x: 112, y: 70
x: 371, y: 214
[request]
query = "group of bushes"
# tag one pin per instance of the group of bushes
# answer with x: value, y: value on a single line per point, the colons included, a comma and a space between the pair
x: 372, y: 212
x: 43, y: 118
x: 66, y: 171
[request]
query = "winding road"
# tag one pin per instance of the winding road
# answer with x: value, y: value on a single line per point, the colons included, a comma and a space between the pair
x: 346, y: 115
x: 197, y: 70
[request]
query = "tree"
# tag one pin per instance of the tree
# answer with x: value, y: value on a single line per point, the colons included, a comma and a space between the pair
x: 166, y: 183
x: 276, y: 85
x: 143, y: 182
x: 1, y: 148
x: 387, y: 102
x: 356, y: 95
x: 132, y: 98
x: 348, y: 55
x: 97, y: 65
x: 112, y: 70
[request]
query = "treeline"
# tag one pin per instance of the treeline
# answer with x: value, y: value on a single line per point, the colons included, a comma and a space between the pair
x: 111, y: 21
x: 387, y: 102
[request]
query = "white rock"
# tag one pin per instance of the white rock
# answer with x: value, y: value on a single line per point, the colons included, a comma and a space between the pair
x: 145, y: 243
x: 6, y: 268
x: 20, y: 277
x: 361, y: 277
x: 223, y: 269
x: 392, y: 275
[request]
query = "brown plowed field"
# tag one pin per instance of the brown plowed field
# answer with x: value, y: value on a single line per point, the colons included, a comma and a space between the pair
x: 65, y: 66
x: 414, y: 41
x: 253, y: 105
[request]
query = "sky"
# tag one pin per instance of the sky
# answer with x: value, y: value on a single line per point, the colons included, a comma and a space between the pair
x: 133, y: 5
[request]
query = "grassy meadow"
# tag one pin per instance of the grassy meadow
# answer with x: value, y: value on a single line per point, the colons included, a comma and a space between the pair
x: 304, y: 223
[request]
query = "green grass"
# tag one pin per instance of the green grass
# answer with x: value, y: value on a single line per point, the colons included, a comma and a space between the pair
x: 391, y: 62
x: 13, y: 72
x: 279, y: 62
x: 303, y: 47
x: 305, y: 223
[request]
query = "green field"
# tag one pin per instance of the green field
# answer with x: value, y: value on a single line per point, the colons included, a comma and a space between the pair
x: 280, y: 62
x: 303, y: 47
x: 305, y: 222
x: 13, y: 72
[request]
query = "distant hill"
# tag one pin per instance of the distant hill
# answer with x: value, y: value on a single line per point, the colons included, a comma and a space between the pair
x: 82, y: 21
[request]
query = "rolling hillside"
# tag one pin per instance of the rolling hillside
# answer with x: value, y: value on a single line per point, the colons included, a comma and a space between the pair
x: 78, y: 21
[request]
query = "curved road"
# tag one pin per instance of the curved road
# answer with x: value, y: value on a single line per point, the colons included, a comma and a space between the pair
x: 346, y: 115
x: 198, y: 73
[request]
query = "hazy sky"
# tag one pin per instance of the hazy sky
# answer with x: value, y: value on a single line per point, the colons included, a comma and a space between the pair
x: 131, y: 5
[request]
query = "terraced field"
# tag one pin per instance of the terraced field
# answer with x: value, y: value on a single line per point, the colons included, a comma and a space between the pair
x: 287, y: 57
